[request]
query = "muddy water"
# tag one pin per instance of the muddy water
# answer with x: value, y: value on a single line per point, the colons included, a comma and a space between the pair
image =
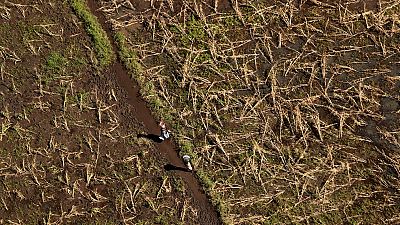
x: 207, y: 213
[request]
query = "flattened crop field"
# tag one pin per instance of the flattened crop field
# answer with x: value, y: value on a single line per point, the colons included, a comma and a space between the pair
x: 289, y: 109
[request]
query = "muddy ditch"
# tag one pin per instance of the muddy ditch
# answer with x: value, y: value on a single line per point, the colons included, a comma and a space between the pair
x: 207, y: 213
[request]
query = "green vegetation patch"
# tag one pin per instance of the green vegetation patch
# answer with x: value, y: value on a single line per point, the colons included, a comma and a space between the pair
x: 102, y: 44
x: 127, y: 55
x: 55, y: 62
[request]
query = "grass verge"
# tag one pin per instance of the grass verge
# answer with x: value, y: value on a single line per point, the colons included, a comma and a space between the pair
x: 102, y: 44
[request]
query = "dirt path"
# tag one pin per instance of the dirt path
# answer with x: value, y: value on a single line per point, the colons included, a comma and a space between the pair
x: 207, y: 213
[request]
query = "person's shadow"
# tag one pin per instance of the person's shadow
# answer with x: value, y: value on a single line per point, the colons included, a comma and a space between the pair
x: 151, y: 137
x: 170, y: 167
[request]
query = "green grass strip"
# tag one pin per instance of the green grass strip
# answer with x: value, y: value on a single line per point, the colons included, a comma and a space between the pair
x: 102, y: 44
x: 128, y: 57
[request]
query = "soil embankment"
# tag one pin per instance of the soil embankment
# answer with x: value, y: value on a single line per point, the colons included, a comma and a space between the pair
x: 207, y: 213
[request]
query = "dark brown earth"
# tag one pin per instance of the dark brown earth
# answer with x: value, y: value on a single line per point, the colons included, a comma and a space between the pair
x: 142, y: 113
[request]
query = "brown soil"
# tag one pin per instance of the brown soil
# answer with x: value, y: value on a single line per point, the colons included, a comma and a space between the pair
x: 142, y: 113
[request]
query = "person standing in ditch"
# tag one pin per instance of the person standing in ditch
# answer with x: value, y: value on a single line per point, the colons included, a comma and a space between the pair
x: 165, y: 133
